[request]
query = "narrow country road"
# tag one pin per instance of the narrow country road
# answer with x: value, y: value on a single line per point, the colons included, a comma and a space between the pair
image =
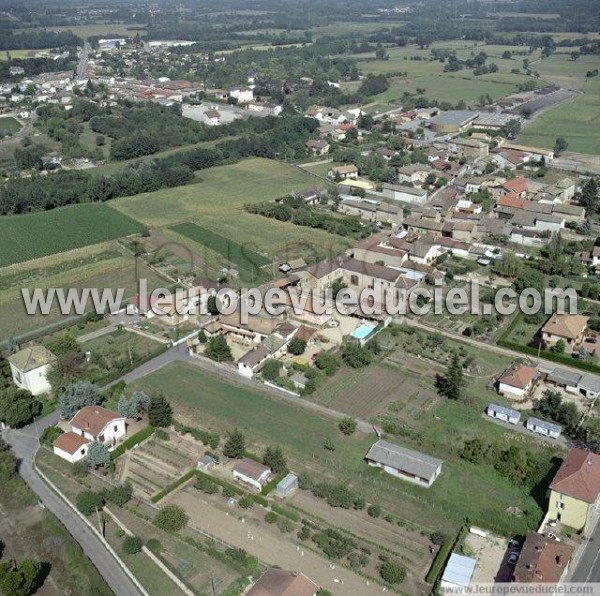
x: 24, y: 444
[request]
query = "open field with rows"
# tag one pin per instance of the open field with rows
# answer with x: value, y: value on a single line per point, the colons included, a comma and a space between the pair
x: 217, y: 204
x: 26, y: 237
x: 100, y: 266
x: 464, y: 489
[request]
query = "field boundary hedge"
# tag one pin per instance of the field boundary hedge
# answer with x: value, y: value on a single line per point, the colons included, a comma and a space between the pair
x: 133, y: 440
x: 171, y: 487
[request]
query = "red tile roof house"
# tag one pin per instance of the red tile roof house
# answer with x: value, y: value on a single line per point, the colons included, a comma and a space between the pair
x: 252, y: 473
x: 542, y: 560
x: 517, y: 381
x: 90, y: 424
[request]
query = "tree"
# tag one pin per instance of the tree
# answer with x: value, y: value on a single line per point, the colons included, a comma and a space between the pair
x: 235, y: 445
x: 217, y: 349
x: 88, y: 501
x: 296, y: 346
x: 511, y: 129
x: 202, y: 336
x: 76, y: 396
x: 270, y: 369
x: 451, y: 385
x: 589, y: 195
x: 355, y: 355
x: 337, y: 286
x: 347, y: 425
x: 18, y: 407
x: 119, y: 495
x: 160, y: 413
x: 132, y: 545
x: 374, y: 511
x: 328, y: 363
x: 135, y: 406
x: 97, y: 454
x: 558, y: 347
x: 275, y: 459
x: 21, y: 579
x: 171, y: 518
x: 392, y: 573
x: 63, y: 344
x: 212, y: 306
x: 560, y: 146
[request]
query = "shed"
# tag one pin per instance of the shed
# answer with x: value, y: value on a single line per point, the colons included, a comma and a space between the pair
x: 459, y: 571
x: 565, y: 378
x: 542, y: 427
x: 205, y: 463
x: 299, y: 381
x: 502, y: 413
x: 589, y: 385
x: 287, y: 485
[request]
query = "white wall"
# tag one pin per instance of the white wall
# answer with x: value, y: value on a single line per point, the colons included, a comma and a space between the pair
x: 35, y: 380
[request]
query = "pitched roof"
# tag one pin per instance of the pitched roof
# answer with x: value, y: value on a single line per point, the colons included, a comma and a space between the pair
x: 306, y: 333
x: 518, y: 184
x: 70, y: 442
x: 250, y: 468
x: 567, y: 326
x: 349, y: 169
x: 579, y: 476
x: 512, y: 200
x: 31, y: 358
x: 255, y: 356
x: 93, y: 419
x: 542, y: 560
x: 279, y: 582
x: 518, y: 375
x: 406, y: 460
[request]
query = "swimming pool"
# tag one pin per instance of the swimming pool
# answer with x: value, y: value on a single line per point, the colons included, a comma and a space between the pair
x: 362, y: 332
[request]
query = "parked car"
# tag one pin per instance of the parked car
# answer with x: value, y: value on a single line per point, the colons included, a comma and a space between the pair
x: 513, y: 558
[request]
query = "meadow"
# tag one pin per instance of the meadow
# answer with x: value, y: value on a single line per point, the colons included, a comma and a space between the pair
x: 462, y: 490
x: 9, y: 126
x: 244, y: 258
x: 217, y: 203
x: 578, y: 120
x: 26, y: 237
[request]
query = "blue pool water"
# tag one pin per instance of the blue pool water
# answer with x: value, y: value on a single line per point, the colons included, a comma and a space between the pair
x: 362, y: 331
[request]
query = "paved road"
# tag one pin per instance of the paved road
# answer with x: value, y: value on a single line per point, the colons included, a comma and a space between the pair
x: 83, y: 61
x: 180, y: 354
x: 24, y: 444
x: 588, y: 566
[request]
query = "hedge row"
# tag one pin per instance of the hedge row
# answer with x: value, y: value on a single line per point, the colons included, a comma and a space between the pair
x: 133, y: 440
x: 222, y: 483
x: 171, y: 487
x: 558, y: 358
x: 285, y: 512
x: 442, y: 555
x: 270, y: 486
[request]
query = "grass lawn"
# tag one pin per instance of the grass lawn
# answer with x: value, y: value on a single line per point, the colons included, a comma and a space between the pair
x: 9, y: 126
x: 217, y: 203
x: 26, y: 237
x: 105, y: 30
x: 578, y: 120
x: 462, y: 490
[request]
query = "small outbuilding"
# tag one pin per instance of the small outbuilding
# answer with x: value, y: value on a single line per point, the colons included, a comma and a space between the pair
x: 459, y: 572
x: 502, y: 413
x: 205, y: 463
x: 287, y: 486
x: 548, y: 429
x: 252, y: 473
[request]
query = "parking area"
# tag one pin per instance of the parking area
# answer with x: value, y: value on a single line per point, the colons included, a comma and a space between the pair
x: 227, y: 113
x: 492, y: 553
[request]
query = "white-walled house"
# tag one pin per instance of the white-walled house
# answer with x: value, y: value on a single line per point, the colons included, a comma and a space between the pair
x: 252, y: 473
x: 90, y: 424
x: 517, y: 381
x: 29, y: 368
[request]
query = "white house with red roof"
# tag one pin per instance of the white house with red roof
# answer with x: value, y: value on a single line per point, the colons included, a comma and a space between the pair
x: 517, y: 381
x: 90, y: 424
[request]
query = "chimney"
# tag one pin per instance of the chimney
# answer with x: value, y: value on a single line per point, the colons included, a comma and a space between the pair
x: 558, y: 559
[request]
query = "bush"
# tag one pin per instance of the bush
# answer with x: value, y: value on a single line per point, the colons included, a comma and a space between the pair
x: 88, y: 501
x: 154, y: 545
x: 229, y: 491
x: 206, y: 485
x: 80, y: 469
x: 161, y: 434
x: 119, y: 495
x: 392, y: 573
x: 348, y: 425
x: 285, y: 526
x: 50, y: 435
x: 285, y: 512
x: 271, y: 517
x: 438, y: 538
x: 133, y: 440
x: 304, y: 533
x: 246, y: 502
x: 359, y: 503
x: 304, y: 481
x: 171, y: 518
x: 132, y: 545
x: 374, y: 510
x: 438, y: 562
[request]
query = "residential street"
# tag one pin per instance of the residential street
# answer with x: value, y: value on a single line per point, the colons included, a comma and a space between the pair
x: 24, y: 444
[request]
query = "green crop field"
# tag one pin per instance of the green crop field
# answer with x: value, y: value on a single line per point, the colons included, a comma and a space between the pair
x: 25, y: 237
x: 247, y: 260
x: 462, y: 490
x: 9, y: 126
x: 217, y: 203
x: 578, y: 120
